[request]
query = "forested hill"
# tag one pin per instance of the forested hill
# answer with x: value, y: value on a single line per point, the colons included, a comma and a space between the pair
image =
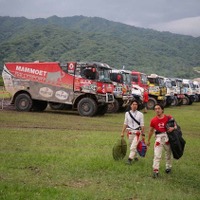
x: 96, y: 39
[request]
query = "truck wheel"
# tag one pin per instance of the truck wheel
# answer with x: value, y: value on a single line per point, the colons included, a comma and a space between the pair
x: 113, y: 107
x: 56, y: 106
x: 140, y: 105
x: 87, y: 107
x: 180, y: 102
x: 39, y: 106
x: 186, y: 100
x: 163, y: 103
x: 174, y: 102
x: 23, y: 102
x: 151, y: 103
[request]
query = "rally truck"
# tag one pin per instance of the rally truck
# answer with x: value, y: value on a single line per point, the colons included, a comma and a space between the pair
x: 157, y: 91
x: 189, y: 92
x: 170, y: 95
x: 82, y: 86
x: 140, y: 87
x: 122, y: 90
x: 177, y: 84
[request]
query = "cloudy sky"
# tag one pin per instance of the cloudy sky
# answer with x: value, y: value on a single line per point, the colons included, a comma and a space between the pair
x: 176, y: 16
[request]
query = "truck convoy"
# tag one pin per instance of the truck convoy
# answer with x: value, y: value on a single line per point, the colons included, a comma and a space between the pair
x: 84, y: 86
x: 122, y: 90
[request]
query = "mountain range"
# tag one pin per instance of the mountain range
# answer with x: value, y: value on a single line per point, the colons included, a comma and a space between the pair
x: 81, y: 38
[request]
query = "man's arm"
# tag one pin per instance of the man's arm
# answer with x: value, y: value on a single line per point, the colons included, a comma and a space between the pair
x: 123, y: 130
x: 151, y: 131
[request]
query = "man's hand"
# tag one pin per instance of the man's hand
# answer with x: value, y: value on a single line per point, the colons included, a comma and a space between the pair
x: 148, y: 143
x: 170, y: 129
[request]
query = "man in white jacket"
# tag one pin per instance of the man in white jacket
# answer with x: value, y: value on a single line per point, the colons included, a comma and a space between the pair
x: 134, y: 124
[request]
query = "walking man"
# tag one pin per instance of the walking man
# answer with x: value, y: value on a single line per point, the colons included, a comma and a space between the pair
x: 158, y: 124
x: 134, y: 124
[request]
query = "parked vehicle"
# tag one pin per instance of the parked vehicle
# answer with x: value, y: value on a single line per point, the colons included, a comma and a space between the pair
x: 139, y: 87
x: 82, y: 86
x: 122, y: 90
x: 170, y: 95
x: 189, y: 92
x: 177, y: 84
x: 157, y: 91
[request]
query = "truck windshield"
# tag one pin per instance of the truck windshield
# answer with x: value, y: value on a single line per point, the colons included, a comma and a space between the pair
x: 103, y: 74
x: 127, y: 78
x: 144, y: 79
x: 134, y: 78
x: 168, y: 84
x: 173, y: 83
x: 192, y: 85
x: 161, y: 82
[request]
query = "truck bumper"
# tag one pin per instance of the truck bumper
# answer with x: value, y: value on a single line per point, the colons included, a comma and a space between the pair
x: 105, y: 98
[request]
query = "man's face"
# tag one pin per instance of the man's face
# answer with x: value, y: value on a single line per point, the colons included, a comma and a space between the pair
x: 134, y: 106
x: 158, y: 110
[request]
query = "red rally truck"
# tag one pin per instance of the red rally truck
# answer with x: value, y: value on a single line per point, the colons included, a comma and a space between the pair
x: 83, y: 86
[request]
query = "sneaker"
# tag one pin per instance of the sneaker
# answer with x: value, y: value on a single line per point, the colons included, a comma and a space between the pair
x: 155, y: 175
x: 136, y: 159
x: 129, y: 162
x: 168, y: 171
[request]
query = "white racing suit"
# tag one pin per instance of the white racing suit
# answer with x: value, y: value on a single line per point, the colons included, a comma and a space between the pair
x: 162, y: 141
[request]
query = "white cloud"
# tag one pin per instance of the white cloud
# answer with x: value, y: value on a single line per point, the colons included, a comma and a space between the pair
x: 186, y: 26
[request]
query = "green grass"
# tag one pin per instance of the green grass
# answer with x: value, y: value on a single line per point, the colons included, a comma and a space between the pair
x: 60, y: 155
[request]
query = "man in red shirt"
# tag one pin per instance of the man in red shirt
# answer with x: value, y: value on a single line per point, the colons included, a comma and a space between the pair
x: 158, y: 124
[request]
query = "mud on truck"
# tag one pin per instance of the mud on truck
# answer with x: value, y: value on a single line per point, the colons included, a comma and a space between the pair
x: 157, y: 91
x: 122, y: 90
x: 82, y: 86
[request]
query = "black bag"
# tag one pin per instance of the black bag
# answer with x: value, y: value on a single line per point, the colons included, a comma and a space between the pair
x: 177, y: 143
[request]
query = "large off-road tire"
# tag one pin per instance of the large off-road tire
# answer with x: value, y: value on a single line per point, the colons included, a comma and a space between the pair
x: 163, y: 103
x: 140, y: 105
x: 151, y: 103
x: 186, y: 100
x: 87, y: 107
x: 23, y: 102
x: 113, y: 107
x: 39, y: 106
x: 174, y: 102
x: 56, y: 106
x: 180, y: 102
x: 191, y: 101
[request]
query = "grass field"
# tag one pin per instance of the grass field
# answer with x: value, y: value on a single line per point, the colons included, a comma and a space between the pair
x: 62, y: 156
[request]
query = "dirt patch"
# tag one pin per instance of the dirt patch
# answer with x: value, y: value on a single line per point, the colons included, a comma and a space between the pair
x: 5, y: 104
